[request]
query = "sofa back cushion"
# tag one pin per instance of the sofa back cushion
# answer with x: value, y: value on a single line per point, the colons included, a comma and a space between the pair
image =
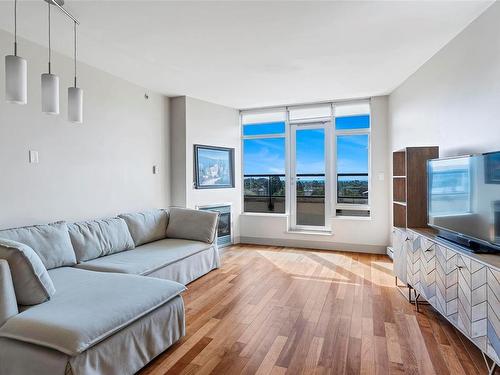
x: 32, y: 283
x: 193, y: 225
x: 50, y: 242
x: 147, y: 226
x: 96, y: 238
x: 8, y: 299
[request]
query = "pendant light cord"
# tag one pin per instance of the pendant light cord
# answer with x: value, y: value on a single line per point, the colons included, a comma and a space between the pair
x: 50, y: 52
x: 74, y: 35
x: 15, y: 27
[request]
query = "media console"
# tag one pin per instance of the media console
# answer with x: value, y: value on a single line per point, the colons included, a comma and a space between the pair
x: 463, y: 286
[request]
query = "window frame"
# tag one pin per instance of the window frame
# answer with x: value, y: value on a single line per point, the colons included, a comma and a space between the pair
x: 283, y: 135
x: 292, y: 197
x: 331, y: 162
x: 359, y: 131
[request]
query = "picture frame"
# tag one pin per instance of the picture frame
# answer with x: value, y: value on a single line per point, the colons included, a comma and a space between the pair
x: 213, y: 167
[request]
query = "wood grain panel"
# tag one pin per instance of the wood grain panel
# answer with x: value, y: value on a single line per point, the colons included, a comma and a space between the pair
x: 399, y: 215
x: 399, y: 163
x: 416, y: 184
x: 399, y: 189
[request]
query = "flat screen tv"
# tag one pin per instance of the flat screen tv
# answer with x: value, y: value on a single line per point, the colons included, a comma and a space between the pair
x: 464, y: 200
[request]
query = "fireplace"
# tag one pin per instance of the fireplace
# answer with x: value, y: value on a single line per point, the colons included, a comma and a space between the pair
x: 496, y: 221
x: 224, y: 232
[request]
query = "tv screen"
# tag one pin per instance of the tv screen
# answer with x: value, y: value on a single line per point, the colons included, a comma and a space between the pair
x: 464, y: 197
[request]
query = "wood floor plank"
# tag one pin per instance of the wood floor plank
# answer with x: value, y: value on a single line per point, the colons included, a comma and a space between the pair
x: 278, y: 370
x: 187, y: 358
x: 231, y: 362
x: 353, y: 365
x: 276, y: 310
x: 367, y: 359
x: 267, y: 365
x: 419, y: 349
x: 393, y: 347
x: 313, y: 354
x: 182, y: 350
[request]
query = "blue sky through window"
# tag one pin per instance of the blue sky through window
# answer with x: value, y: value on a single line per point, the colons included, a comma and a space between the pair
x: 267, y: 156
x: 310, y: 150
x: 352, y: 122
x: 352, y: 153
x: 264, y: 156
x: 264, y: 128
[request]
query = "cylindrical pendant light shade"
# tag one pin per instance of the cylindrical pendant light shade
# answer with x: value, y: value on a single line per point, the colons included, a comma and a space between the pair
x: 16, y: 80
x: 75, y: 104
x: 50, y: 94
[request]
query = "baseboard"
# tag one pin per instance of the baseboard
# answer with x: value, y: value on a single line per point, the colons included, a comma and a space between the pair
x: 319, y: 245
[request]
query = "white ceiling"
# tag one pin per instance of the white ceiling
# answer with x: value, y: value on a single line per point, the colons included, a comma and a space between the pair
x: 250, y: 54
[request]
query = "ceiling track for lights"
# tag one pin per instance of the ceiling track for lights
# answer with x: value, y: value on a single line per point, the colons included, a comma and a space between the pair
x: 59, y: 4
x: 50, y: 82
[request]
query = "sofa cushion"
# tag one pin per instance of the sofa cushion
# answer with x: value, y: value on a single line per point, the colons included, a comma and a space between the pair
x: 8, y: 299
x: 96, y: 238
x: 87, y: 308
x: 51, y: 242
x: 147, y: 226
x: 193, y: 225
x: 146, y: 258
x: 32, y: 283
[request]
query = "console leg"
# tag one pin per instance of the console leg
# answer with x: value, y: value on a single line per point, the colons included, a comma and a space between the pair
x: 401, y: 289
x: 416, y: 300
x: 490, y: 366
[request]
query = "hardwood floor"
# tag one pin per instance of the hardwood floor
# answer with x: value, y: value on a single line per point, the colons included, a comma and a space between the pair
x: 272, y: 310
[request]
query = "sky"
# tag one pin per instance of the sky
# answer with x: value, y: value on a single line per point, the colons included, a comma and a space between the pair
x: 267, y: 156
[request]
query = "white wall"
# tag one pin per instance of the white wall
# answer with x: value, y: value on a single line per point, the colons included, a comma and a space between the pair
x: 349, y: 234
x: 198, y: 122
x: 178, y: 151
x: 95, y: 169
x: 453, y: 101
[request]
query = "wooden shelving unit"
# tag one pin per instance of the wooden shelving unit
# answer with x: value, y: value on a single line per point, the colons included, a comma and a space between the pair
x: 409, y: 203
x: 409, y: 186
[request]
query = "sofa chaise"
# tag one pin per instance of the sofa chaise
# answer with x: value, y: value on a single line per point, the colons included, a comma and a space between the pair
x: 101, y: 296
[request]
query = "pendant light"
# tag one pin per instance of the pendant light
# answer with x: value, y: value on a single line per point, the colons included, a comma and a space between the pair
x: 50, y: 87
x: 75, y: 94
x: 16, y: 72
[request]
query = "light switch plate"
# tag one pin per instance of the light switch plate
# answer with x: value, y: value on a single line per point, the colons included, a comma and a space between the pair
x: 33, y: 157
x: 381, y: 176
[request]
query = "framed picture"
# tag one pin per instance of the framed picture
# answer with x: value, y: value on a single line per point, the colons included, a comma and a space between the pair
x: 492, y: 168
x: 213, y: 167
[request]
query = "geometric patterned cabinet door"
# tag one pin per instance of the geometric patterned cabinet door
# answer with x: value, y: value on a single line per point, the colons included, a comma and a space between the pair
x: 472, y: 300
x: 412, y: 247
x: 447, y: 283
x: 421, y: 266
x: 465, y: 291
x: 428, y: 269
x: 493, y: 341
x: 399, y: 253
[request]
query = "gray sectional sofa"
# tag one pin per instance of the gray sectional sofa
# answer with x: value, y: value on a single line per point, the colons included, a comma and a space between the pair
x: 101, y: 296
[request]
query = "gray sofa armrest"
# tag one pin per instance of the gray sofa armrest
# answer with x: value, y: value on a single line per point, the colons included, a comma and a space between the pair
x: 8, y: 302
x: 192, y: 224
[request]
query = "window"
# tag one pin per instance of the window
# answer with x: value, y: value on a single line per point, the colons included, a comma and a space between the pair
x: 311, y: 162
x: 352, y: 136
x: 264, y: 162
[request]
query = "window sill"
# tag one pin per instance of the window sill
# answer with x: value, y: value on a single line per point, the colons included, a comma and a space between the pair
x: 311, y: 232
x: 263, y: 214
x: 355, y: 218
